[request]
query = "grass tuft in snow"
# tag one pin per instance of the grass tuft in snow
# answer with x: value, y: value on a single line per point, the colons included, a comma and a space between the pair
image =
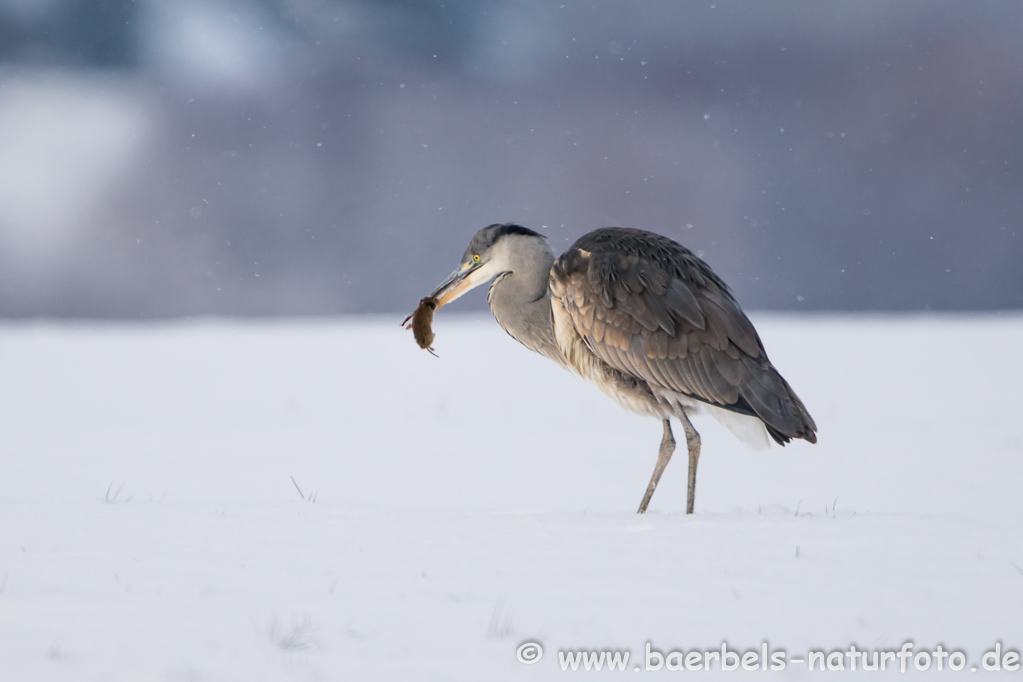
x: 500, y: 621
x: 297, y: 636
x: 112, y: 499
x: 310, y: 498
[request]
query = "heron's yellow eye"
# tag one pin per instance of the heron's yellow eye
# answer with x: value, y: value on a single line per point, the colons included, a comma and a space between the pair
x: 475, y: 258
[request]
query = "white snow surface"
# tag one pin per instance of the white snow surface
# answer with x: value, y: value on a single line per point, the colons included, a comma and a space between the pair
x: 456, y: 507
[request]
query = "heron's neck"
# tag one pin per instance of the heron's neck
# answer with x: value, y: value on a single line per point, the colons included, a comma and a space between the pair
x: 521, y: 302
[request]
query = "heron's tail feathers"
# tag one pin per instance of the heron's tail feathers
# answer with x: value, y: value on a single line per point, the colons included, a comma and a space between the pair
x: 774, y: 401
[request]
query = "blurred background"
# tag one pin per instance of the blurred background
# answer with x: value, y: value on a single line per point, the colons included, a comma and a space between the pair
x: 299, y: 157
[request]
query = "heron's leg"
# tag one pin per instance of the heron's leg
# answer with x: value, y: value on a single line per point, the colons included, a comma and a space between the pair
x: 663, y: 457
x: 693, y: 441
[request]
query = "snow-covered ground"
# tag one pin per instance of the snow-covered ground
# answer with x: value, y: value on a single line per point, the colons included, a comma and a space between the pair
x: 453, y: 509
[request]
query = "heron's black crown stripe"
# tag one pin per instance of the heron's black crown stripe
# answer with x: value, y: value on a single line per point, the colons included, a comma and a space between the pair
x: 512, y: 228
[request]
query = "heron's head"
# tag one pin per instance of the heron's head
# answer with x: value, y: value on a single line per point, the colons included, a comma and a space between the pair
x: 495, y: 249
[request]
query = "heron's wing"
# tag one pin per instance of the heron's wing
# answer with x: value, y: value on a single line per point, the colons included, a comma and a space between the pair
x: 659, y: 313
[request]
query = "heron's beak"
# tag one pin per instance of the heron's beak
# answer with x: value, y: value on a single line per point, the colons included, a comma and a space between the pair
x: 457, y: 283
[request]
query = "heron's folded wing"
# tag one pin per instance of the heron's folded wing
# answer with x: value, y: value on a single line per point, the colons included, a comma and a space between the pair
x: 677, y: 329
x: 649, y: 307
x: 639, y: 318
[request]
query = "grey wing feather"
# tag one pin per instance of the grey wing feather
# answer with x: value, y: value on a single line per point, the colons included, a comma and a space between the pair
x: 647, y: 306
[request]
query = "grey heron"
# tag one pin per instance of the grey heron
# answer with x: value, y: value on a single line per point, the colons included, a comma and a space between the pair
x: 644, y: 319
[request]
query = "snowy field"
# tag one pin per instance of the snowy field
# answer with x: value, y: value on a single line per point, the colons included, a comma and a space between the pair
x: 453, y: 509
